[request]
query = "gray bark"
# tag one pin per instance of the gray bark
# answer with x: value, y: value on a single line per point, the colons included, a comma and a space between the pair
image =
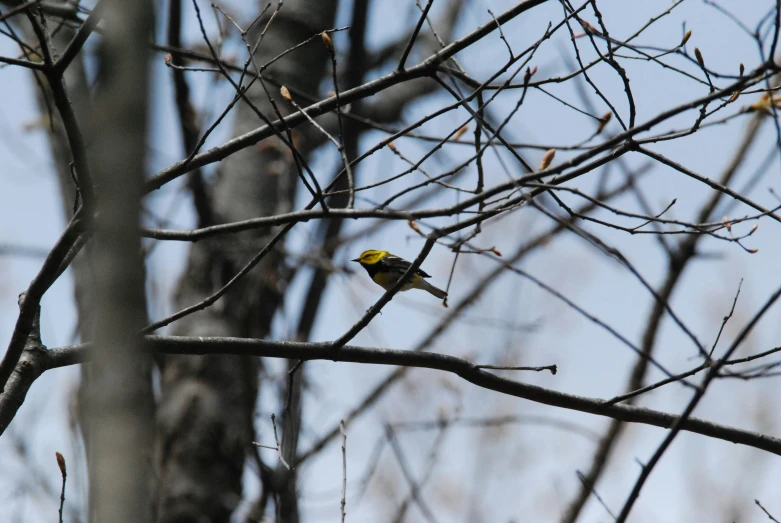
x: 205, y: 416
x: 119, y: 401
x: 137, y: 397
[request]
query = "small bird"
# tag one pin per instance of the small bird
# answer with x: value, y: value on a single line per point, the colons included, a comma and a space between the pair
x: 386, y: 269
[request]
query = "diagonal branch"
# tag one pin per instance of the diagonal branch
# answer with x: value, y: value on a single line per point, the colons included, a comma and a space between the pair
x: 86, y: 29
x: 30, y: 300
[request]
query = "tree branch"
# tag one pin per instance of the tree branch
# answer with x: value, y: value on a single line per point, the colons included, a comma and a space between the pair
x: 427, y: 360
x: 30, y: 300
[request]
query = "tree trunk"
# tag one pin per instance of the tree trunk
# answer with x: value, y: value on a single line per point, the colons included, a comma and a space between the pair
x: 206, y: 412
x: 120, y: 405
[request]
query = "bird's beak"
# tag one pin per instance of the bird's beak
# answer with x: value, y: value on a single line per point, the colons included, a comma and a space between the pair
x: 356, y: 260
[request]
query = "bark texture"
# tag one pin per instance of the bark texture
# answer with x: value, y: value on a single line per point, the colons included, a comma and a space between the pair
x: 206, y: 412
x: 119, y: 405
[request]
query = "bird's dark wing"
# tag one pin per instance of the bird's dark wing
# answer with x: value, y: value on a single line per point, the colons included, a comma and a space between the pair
x: 399, y: 264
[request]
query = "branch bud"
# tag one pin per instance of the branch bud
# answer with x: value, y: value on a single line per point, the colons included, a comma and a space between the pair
x: 686, y: 38
x: 529, y: 73
x: 285, y: 93
x: 61, y: 463
x: 698, y: 56
x: 460, y: 132
x: 547, y: 158
x: 603, y: 121
x: 328, y: 43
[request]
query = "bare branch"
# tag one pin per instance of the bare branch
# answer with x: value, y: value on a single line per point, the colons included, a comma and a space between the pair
x: 427, y: 360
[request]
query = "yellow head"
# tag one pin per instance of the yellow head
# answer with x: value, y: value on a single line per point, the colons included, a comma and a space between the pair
x: 371, y: 257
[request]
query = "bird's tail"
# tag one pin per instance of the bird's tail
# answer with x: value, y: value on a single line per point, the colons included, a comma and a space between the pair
x: 426, y: 286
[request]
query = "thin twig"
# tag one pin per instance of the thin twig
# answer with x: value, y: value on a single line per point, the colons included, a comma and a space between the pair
x: 276, y: 439
x: 593, y: 490
x: 414, y: 36
x: 766, y: 511
x: 685, y: 415
x: 552, y: 368
x: 340, y: 146
x: 344, y: 468
x: 63, y: 471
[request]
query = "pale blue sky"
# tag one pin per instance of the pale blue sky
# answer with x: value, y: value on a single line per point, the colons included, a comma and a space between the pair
x: 532, y: 467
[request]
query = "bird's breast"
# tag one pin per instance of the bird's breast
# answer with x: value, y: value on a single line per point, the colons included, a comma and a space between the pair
x: 386, y: 280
